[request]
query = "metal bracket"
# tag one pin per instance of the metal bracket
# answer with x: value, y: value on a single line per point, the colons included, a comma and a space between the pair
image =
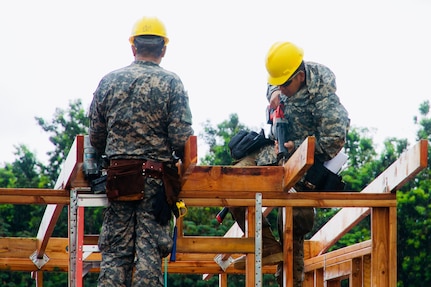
x: 223, y: 263
x: 39, y: 262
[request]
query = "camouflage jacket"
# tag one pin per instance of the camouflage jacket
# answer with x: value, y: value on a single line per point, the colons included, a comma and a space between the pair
x: 140, y: 111
x: 315, y: 110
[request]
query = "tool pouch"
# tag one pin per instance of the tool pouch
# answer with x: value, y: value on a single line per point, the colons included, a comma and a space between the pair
x: 125, y: 179
x: 172, y: 184
x: 244, y: 143
x: 320, y: 178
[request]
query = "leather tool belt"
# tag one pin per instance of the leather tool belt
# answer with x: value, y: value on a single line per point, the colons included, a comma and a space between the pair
x: 126, y: 178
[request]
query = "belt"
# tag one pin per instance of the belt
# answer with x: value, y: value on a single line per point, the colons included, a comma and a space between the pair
x: 150, y: 168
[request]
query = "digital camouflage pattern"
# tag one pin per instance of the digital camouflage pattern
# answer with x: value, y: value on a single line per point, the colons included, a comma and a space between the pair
x: 140, y: 111
x: 315, y: 110
x: 131, y: 237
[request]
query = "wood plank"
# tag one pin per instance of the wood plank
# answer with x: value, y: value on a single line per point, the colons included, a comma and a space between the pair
x: 367, y: 270
x: 33, y: 196
x: 300, y: 161
x: 339, y: 271
x: 337, y: 256
x: 190, y: 158
x: 407, y: 166
x: 251, y: 178
x: 392, y: 233
x: 404, y: 169
x: 270, y: 199
x: 214, y: 244
x: 287, y: 238
x: 47, y: 225
x: 380, y: 248
x: 356, y: 278
x: 70, y: 166
x: 232, y: 179
x: 250, y: 231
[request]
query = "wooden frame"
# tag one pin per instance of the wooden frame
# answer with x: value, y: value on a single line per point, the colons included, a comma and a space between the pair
x: 370, y: 263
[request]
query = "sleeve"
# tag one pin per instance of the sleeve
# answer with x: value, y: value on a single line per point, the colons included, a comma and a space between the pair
x: 270, y: 89
x: 97, y: 130
x: 331, y: 119
x: 180, y: 118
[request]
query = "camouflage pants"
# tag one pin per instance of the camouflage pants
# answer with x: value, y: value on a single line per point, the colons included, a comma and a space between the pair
x: 132, y: 243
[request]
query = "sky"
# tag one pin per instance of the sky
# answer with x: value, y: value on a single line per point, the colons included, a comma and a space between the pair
x: 55, y: 52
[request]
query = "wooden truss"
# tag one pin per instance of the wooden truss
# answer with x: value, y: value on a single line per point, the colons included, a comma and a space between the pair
x: 368, y: 263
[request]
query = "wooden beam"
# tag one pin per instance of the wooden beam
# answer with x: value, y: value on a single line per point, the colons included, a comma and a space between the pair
x: 70, y: 166
x: 33, y: 196
x: 339, y: 271
x: 270, y: 199
x: 251, y: 178
x: 49, y: 219
x: 356, y: 277
x: 190, y: 157
x: 407, y: 166
x: 15, y: 252
x: 337, y: 256
x: 233, y: 179
x: 404, y: 169
x: 380, y: 252
x: 215, y: 244
x: 300, y: 161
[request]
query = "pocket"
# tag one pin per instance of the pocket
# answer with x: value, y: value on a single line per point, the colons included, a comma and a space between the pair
x: 104, y: 235
x: 124, y: 180
x: 164, y: 241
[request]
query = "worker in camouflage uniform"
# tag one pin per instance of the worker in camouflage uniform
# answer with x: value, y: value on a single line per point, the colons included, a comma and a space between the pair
x: 307, y: 94
x: 139, y: 116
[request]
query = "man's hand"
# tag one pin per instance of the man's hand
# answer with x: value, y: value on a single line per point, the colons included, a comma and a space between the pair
x: 290, y: 145
x: 275, y: 99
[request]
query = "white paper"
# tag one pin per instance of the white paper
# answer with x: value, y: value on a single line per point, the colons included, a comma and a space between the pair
x: 335, y: 164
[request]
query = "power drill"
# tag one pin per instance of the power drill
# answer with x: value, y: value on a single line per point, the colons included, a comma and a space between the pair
x: 280, y: 125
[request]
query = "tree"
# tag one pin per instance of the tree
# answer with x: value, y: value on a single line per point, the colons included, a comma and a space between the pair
x: 27, y: 171
x: 414, y: 218
x: 20, y: 220
x: 364, y: 164
x: 218, y: 139
x: 64, y: 127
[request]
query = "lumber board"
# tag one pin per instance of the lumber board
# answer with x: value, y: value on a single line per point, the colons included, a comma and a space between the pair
x: 404, y: 169
x: 15, y: 252
x: 272, y: 199
x: 215, y: 244
x: 190, y: 158
x: 252, y: 178
x: 47, y: 225
x: 233, y: 179
x: 300, y: 161
x: 33, y: 196
x: 70, y: 167
x: 341, y: 270
x: 337, y: 256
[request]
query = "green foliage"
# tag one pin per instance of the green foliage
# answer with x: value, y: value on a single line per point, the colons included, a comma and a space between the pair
x: 218, y: 139
x: 414, y: 218
x: 364, y: 164
x: 64, y: 127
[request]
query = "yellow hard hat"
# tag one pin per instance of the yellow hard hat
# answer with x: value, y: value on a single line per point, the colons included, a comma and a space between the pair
x: 282, y: 60
x: 149, y: 26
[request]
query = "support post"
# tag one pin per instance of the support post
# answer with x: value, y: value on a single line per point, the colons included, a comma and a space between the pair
x: 250, y: 257
x: 382, y: 247
x: 288, y: 246
x: 258, y: 241
x: 73, y: 218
